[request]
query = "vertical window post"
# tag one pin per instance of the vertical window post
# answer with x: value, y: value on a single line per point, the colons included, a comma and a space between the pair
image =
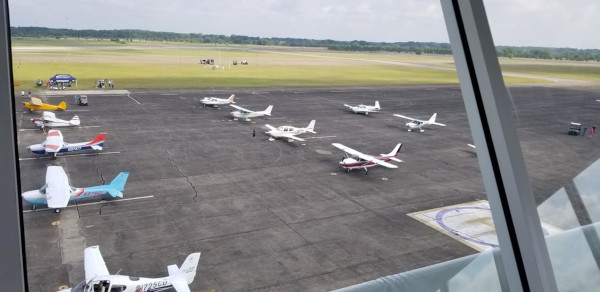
x: 525, y: 260
x: 12, y: 265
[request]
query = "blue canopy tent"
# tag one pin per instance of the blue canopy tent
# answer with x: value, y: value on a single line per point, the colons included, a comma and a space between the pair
x: 63, y: 78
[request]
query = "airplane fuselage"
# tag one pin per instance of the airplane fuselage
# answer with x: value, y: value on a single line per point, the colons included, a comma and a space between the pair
x: 363, y: 109
x: 52, y: 124
x: 124, y: 284
x: 280, y: 131
x: 243, y: 115
x: 40, y: 148
x: 415, y: 125
x: 38, y: 197
x: 32, y: 107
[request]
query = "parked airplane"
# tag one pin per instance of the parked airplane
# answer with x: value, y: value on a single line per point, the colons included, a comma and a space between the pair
x: 357, y: 160
x: 98, y: 279
x: 49, y: 119
x: 37, y: 104
x: 54, y: 144
x: 417, y: 124
x: 364, y: 109
x: 247, y: 114
x: 289, y: 132
x: 213, y: 101
x: 57, y: 192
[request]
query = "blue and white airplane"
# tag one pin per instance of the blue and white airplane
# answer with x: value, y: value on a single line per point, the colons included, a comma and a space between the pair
x: 57, y: 192
x: 55, y: 144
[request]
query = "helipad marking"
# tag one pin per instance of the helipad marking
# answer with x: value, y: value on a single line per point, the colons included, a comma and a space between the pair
x: 470, y: 223
x: 89, y: 204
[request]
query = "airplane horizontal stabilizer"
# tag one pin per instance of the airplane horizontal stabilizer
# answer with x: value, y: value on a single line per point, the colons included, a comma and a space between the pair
x: 114, y: 193
x: 96, y: 147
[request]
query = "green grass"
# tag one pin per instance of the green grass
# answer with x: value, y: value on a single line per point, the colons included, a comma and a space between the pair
x: 179, y: 68
x: 581, y: 71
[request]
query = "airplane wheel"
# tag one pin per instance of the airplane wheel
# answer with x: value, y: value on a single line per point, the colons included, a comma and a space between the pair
x: 367, y: 172
x: 348, y: 170
x: 57, y: 211
x: 53, y: 157
x: 33, y: 207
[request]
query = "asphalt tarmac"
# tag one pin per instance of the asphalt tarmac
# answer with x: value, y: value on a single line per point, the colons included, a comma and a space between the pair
x: 279, y: 215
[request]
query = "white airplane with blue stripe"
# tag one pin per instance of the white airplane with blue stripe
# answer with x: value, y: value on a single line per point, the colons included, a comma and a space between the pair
x: 55, y: 144
x: 57, y: 193
x: 97, y: 277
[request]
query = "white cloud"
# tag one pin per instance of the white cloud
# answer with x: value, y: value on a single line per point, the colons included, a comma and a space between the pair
x: 513, y: 22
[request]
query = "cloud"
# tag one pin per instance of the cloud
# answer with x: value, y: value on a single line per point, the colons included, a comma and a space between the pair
x: 513, y: 22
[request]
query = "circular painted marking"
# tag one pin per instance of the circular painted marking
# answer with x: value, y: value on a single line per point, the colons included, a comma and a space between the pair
x: 439, y: 219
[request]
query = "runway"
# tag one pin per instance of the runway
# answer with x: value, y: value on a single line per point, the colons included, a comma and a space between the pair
x: 280, y: 216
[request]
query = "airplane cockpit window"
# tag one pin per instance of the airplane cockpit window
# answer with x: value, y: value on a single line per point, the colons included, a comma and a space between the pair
x: 43, y: 189
x: 73, y: 189
x: 101, y: 286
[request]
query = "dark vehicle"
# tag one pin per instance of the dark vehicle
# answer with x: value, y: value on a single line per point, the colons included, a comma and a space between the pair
x: 575, y: 129
x: 39, y: 82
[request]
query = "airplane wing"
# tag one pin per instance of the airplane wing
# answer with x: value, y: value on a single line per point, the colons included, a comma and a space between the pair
x: 180, y: 285
x: 54, y: 141
x: 409, y: 118
x: 48, y: 115
x: 94, y: 263
x: 270, y: 127
x: 438, y: 124
x: 240, y: 108
x: 363, y: 156
x: 58, y: 190
x: 36, y: 101
x: 346, y: 105
x: 290, y: 136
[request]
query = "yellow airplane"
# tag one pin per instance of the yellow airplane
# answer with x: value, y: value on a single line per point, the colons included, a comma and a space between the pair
x: 37, y: 104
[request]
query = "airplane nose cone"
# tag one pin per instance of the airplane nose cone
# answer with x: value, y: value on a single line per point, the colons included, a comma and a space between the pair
x: 29, y: 195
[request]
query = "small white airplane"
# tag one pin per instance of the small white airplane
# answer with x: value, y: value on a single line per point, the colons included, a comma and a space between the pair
x: 214, y: 102
x: 98, y: 279
x: 57, y: 192
x: 55, y: 144
x: 289, y: 132
x: 357, y: 160
x: 49, y: 119
x: 417, y: 124
x: 364, y: 109
x: 247, y: 114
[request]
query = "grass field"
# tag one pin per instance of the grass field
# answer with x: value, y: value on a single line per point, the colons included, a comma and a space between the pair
x: 165, y: 65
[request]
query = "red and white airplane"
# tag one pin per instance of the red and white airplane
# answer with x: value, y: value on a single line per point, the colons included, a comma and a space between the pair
x: 357, y: 160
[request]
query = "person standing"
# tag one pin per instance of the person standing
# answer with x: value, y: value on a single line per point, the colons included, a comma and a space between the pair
x: 22, y: 93
x: 254, y: 133
x: 29, y: 94
x: 592, y: 131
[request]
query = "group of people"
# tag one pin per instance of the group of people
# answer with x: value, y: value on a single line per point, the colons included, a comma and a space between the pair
x: 103, y: 84
x: 591, y: 133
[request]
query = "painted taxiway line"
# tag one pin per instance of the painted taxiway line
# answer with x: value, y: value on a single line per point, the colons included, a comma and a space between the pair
x: 22, y: 130
x: 90, y: 204
x: 85, y: 127
x: 133, y: 99
x: 322, y: 137
x: 77, y: 110
x: 70, y: 155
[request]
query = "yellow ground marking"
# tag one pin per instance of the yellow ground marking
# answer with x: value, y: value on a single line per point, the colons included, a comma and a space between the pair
x: 56, y: 223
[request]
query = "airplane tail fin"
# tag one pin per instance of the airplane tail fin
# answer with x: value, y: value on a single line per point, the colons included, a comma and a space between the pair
x: 230, y: 100
x: 311, y: 127
x: 98, y: 141
x: 377, y: 105
x: 432, y: 119
x: 187, y: 271
x: 119, y: 181
x: 62, y: 105
x: 268, y: 110
x: 75, y: 121
x: 395, y: 151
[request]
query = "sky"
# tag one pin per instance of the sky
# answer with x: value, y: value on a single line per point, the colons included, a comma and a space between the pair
x: 547, y: 23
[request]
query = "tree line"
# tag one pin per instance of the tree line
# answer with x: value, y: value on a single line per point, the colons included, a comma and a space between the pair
x: 128, y: 35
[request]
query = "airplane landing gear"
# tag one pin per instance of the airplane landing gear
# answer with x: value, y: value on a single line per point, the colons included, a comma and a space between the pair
x: 410, y: 130
x: 347, y: 170
x: 366, y: 171
x: 366, y: 113
x: 422, y: 131
x: 33, y: 207
x: 56, y: 211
